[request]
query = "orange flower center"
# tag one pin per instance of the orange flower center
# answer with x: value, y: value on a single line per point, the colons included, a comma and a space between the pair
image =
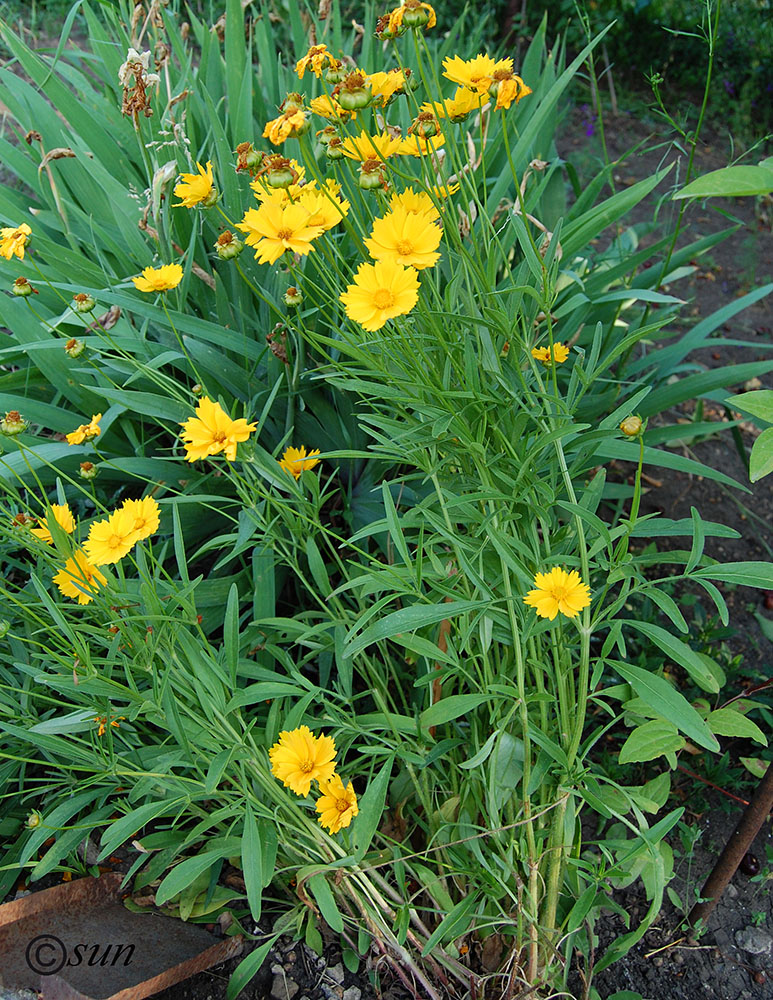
x: 284, y: 235
x: 114, y: 541
x: 342, y: 805
x: 404, y: 248
x: 218, y: 437
x: 139, y: 523
x: 383, y: 299
x: 307, y: 766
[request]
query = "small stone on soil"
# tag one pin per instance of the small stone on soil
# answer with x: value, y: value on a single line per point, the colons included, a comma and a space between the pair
x: 754, y: 941
x: 283, y: 988
x: 335, y: 972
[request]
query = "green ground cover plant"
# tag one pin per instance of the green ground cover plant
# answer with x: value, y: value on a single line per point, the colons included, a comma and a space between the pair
x: 312, y: 376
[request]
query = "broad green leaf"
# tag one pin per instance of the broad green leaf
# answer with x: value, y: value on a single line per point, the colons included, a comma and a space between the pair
x: 680, y: 652
x: 730, y: 182
x: 729, y: 722
x: 454, y: 924
x: 371, y: 807
x: 740, y: 574
x: 755, y: 766
x: 247, y: 969
x: 130, y: 824
x: 669, y: 703
x: 761, y: 458
x: 252, y: 863
x: 649, y: 741
x: 320, y: 888
x: 407, y: 620
x: 758, y: 403
x: 181, y: 876
x: 451, y: 708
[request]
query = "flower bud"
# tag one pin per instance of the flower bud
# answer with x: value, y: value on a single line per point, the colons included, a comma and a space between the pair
x: 74, y: 348
x: 88, y: 470
x: 227, y: 247
x: 197, y: 389
x: 354, y: 92
x: 372, y: 175
x: 425, y: 125
x: 326, y: 135
x: 12, y: 424
x: 22, y: 287
x: 83, y: 303
x: 280, y: 177
x: 5, y: 627
x: 293, y: 297
x: 334, y: 150
x: 247, y: 158
x: 335, y: 75
x: 415, y: 15
x: 631, y: 426
x: 34, y: 819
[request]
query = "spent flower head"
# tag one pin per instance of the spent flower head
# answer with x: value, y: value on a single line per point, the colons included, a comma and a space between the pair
x: 86, y: 431
x: 297, y: 460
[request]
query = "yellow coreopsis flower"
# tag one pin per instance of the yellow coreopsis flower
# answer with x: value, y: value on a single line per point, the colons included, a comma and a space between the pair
x: 212, y: 431
x: 456, y: 108
x: 289, y: 125
x: 112, y: 539
x: 415, y: 203
x: 86, y: 431
x: 337, y: 806
x: 380, y: 292
x: 316, y: 59
x: 560, y: 353
x: 79, y: 579
x: 406, y: 238
x: 146, y: 514
x: 476, y: 73
x: 324, y: 209
x: 274, y: 228
x: 371, y: 147
x: 300, y: 757
x: 557, y: 591
x: 63, y: 517
x: 328, y: 107
x: 159, y: 279
x: 384, y: 86
x: 416, y: 145
x: 13, y: 240
x: 297, y: 460
x: 197, y: 189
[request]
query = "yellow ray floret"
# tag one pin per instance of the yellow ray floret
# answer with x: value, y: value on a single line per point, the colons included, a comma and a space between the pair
x: 159, y: 279
x: 384, y: 86
x: 463, y: 103
x: 62, y: 516
x: 337, y: 805
x: 300, y: 757
x: 557, y: 591
x: 112, y: 539
x: 274, y: 228
x: 406, y: 238
x: 79, y: 579
x: 289, y: 125
x: 415, y: 145
x: 316, y: 59
x: 380, y: 292
x: 212, y: 431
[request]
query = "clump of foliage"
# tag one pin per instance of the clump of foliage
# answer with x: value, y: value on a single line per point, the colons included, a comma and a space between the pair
x: 305, y: 550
